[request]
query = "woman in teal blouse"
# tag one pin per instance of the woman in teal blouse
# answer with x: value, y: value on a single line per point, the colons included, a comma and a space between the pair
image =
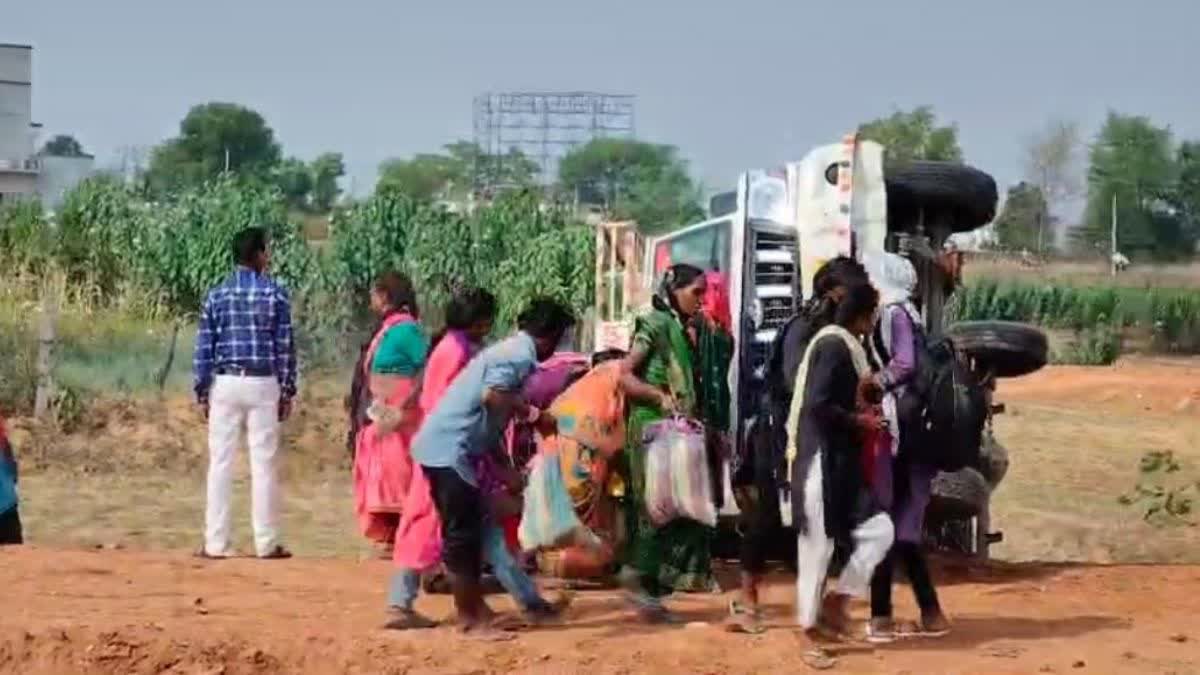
x: 391, y: 367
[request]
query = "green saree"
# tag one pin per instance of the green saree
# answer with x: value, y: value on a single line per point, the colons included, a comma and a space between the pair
x: 677, y: 556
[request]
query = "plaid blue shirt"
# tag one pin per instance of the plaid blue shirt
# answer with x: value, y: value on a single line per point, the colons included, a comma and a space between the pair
x: 246, y: 323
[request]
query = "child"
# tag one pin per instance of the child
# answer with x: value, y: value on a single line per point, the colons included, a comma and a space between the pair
x: 10, y: 519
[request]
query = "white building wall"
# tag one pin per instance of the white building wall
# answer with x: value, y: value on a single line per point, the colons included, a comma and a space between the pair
x: 16, y: 111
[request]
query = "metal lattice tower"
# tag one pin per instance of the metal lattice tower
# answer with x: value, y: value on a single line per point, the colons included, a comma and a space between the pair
x: 545, y: 126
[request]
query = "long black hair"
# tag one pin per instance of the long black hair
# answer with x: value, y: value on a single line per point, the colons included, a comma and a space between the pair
x: 399, y: 291
x: 860, y: 300
x: 840, y: 272
x: 676, y: 278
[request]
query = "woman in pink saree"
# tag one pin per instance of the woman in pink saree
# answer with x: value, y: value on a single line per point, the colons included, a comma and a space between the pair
x: 418, y: 541
x: 391, y: 366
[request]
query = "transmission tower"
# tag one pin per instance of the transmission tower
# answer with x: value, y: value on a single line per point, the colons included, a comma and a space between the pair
x: 544, y: 127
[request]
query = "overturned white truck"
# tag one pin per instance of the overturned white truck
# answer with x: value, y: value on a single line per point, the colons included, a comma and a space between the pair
x: 773, y: 233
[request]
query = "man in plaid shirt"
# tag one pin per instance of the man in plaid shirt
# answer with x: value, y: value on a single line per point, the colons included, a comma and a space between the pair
x: 245, y: 376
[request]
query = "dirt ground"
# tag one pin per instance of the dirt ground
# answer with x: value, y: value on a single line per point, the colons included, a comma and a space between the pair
x: 108, y: 585
x: 133, y: 612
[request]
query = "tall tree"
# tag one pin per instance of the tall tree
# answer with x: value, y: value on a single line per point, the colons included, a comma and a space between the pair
x: 463, y: 167
x: 63, y: 145
x: 512, y: 169
x: 1132, y: 163
x: 215, y: 137
x: 1020, y: 223
x: 1052, y: 163
x: 293, y: 179
x: 914, y: 135
x: 326, y: 170
x: 641, y: 181
x: 425, y: 176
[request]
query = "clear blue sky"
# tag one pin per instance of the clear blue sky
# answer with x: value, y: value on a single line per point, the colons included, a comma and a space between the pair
x: 734, y: 85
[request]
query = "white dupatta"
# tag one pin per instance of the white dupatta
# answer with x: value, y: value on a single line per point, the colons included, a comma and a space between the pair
x: 861, y: 366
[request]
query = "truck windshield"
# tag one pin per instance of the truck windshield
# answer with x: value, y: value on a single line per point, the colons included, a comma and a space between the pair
x: 705, y: 247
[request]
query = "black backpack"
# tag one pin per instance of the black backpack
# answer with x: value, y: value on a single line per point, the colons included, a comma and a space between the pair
x: 942, y: 410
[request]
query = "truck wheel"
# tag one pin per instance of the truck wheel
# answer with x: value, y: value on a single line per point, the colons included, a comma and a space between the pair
x: 993, y: 460
x: 959, y: 195
x: 1006, y: 348
x: 959, y: 495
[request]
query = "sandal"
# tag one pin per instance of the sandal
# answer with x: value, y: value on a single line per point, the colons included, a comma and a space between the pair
x: 932, y: 627
x: 407, y: 619
x: 277, y: 553
x: 818, y: 659
x: 743, y: 620
x: 203, y: 554
x: 881, y: 631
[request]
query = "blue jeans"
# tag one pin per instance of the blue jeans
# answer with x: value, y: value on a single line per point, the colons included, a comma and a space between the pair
x: 406, y: 583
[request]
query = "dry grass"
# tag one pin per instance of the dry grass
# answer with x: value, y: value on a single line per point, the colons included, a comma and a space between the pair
x: 1085, y: 273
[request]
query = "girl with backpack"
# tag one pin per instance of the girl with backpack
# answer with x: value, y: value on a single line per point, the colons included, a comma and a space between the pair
x: 900, y: 477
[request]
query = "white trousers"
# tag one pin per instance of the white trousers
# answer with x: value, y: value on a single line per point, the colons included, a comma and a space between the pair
x: 237, y: 403
x: 814, y: 549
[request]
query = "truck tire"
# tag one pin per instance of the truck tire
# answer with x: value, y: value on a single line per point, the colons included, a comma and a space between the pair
x: 956, y: 194
x: 1006, y: 348
x: 959, y: 495
x: 993, y: 460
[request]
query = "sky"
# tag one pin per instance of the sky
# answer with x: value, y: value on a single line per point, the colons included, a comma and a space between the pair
x: 734, y: 85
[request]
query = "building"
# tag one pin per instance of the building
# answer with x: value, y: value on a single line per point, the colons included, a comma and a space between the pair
x: 19, y: 165
x: 23, y: 172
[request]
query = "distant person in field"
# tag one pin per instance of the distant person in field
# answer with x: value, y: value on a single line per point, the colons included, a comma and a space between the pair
x: 245, y: 379
x: 10, y: 518
x: 466, y: 427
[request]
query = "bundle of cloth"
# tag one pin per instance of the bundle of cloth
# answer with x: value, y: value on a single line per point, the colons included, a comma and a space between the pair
x: 575, y: 468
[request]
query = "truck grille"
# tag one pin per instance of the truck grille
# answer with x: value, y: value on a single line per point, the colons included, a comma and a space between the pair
x: 774, y: 264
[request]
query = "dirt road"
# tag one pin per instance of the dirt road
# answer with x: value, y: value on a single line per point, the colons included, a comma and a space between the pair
x: 70, y: 611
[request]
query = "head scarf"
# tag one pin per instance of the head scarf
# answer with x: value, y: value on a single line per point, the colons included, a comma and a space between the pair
x: 895, y: 278
x: 716, y: 301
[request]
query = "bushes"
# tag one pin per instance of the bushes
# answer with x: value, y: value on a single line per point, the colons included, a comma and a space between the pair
x: 133, y: 258
x: 1098, y: 314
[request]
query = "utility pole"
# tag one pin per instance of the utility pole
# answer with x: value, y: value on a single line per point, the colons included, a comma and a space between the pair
x: 1114, y: 234
x: 227, y: 159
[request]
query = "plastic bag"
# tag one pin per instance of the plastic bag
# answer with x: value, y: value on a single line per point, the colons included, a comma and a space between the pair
x: 548, y: 518
x: 678, y: 484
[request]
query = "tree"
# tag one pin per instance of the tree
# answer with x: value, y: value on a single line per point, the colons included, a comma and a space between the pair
x: 326, y: 170
x: 915, y: 135
x: 1021, y: 221
x: 1132, y: 163
x: 424, y: 177
x: 213, y: 138
x: 1052, y: 164
x: 463, y: 167
x: 1185, y: 195
x: 475, y: 167
x: 63, y: 145
x: 640, y: 181
x: 294, y: 180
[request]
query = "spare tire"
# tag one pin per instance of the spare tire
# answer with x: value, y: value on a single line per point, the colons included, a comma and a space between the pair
x: 962, y: 494
x: 1005, y: 348
x: 956, y: 194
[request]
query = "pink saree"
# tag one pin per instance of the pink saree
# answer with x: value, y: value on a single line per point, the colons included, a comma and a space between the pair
x: 383, y: 467
x: 418, y: 543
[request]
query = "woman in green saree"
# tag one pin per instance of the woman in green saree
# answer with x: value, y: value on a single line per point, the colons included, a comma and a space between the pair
x: 660, y: 379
